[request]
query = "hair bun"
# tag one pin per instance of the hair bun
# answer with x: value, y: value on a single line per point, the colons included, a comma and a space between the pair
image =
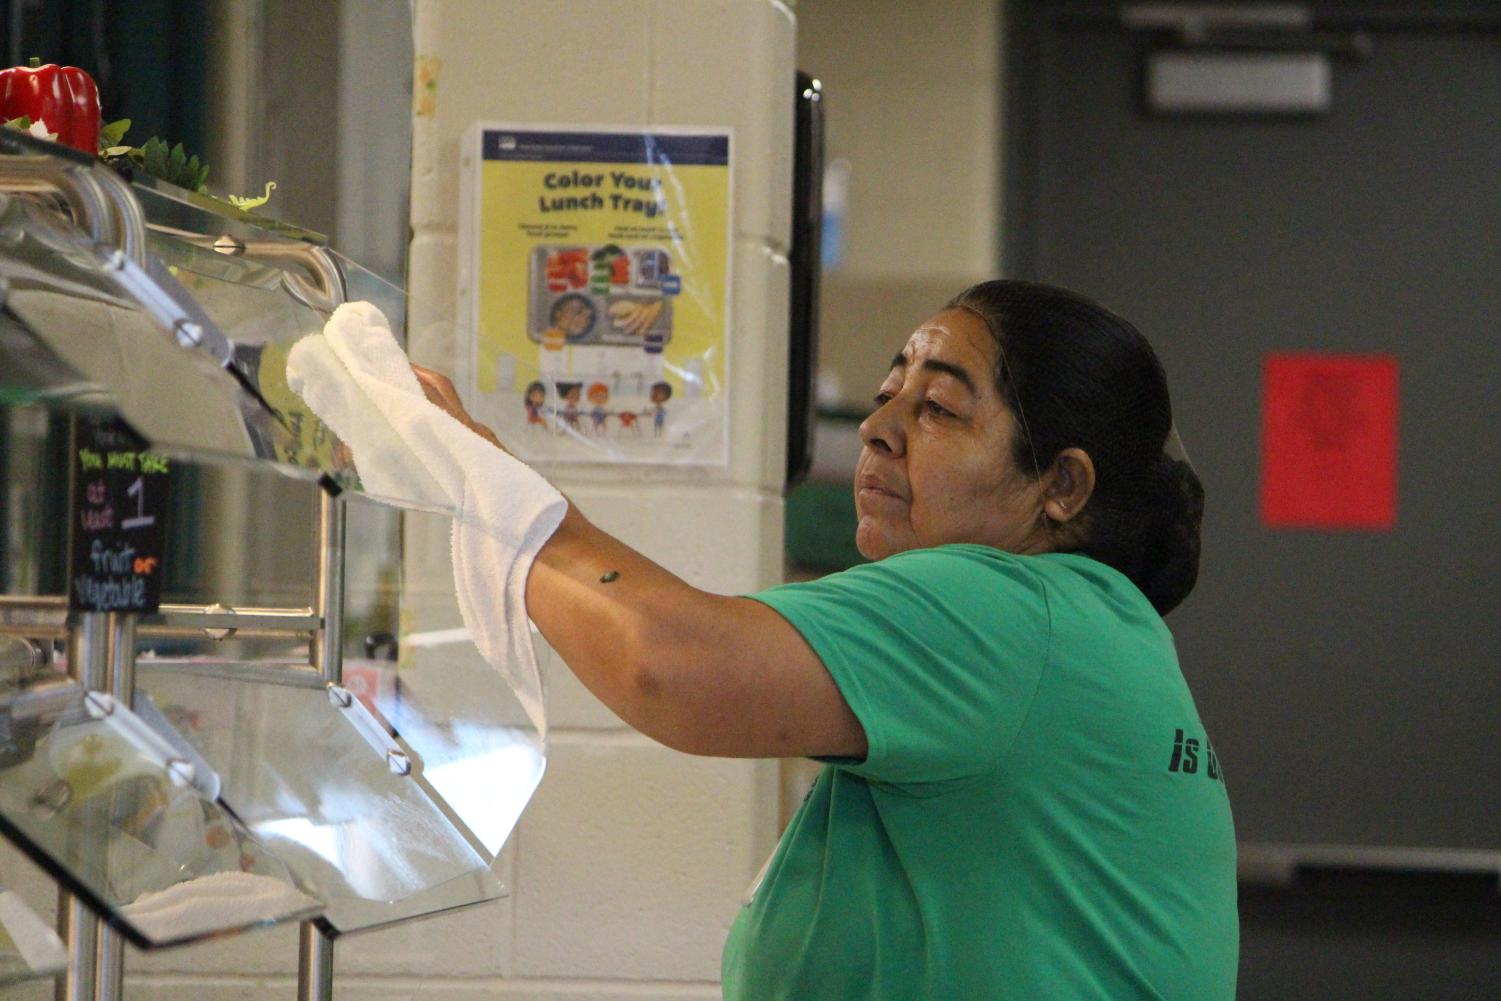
x: 1170, y: 562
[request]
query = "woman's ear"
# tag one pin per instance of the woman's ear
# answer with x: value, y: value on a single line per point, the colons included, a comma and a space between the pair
x: 1070, y: 483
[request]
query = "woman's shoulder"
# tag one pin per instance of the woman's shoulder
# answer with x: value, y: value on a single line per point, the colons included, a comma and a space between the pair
x: 949, y: 580
x: 1071, y: 581
x: 960, y: 575
x: 957, y: 564
x: 959, y: 556
x: 969, y: 558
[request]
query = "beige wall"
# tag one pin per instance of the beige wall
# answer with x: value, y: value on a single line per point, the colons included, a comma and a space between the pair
x: 912, y: 94
x: 629, y: 866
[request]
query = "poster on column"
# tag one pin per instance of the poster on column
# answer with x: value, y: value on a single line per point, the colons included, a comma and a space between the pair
x: 595, y: 279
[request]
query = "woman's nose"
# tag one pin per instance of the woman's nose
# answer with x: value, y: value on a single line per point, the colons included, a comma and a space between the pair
x: 882, y: 432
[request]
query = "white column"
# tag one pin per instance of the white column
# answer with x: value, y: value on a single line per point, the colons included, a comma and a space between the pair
x: 629, y: 866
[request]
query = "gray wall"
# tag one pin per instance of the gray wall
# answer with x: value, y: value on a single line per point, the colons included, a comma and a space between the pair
x: 1347, y: 678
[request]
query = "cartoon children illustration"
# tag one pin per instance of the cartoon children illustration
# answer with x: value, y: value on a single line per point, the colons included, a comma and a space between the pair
x: 661, y: 392
x: 569, y: 393
x: 599, y: 395
x: 628, y: 422
x: 533, y: 399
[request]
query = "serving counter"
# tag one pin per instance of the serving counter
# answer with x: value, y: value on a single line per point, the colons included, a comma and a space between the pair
x: 187, y: 763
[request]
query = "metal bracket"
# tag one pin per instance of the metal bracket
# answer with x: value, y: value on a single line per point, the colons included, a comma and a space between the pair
x: 100, y: 202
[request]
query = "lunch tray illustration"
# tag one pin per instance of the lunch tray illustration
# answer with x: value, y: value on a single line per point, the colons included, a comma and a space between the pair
x: 614, y: 295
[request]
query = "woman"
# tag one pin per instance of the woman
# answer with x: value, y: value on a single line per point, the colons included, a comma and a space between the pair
x: 1021, y: 801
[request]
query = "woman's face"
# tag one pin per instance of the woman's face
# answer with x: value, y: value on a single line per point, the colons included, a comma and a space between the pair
x: 937, y: 464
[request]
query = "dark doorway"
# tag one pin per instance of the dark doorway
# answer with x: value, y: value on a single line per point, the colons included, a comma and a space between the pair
x: 1348, y: 677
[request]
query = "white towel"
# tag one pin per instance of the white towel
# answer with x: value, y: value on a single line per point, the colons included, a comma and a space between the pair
x: 382, y: 458
x: 357, y: 379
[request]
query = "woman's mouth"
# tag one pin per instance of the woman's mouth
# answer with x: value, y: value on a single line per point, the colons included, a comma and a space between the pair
x: 872, y: 486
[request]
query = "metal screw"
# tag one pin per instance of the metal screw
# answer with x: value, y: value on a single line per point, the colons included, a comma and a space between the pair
x: 399, y: 762
x: 341, y: 697
x: 181, y: 771
x: 189, y: 334
x: 218, y: 634
x: 99, y: 704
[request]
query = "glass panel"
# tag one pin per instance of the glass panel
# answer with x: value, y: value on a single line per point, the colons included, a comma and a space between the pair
x: 32, y: 537
x: 29, y: 371
x: 59, y: 287
x: 100, y: 800
x: 262, y: 313
x: 266, y: 295
x: 29, y: 948
x: 238, y: 534
x: 92, y: 343
x: 167, y: 205
x: 250, y: 542
x: 266, y: 292
x: 322, y: 784
x: 440, y: 697
x: 372, y: 585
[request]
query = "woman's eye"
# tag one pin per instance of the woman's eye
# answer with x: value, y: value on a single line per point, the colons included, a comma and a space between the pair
x: 882, y: 398
x: 937, y: 409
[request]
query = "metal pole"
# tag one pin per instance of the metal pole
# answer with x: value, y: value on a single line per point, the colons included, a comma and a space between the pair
x: 122, y: 658
x: 109, y: 962
x: 88, y: 650
x: 315, y: 964
x: 109, y: 956
x: 315, y: 959
x: 78, y: 928
x: 88, y: 663
x: 327, y: 649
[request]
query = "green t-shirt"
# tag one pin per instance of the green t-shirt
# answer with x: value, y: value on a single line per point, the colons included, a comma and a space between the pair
x: 1039, y: 816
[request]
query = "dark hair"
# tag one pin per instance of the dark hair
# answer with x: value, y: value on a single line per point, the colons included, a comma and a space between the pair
x: 1078, y: 376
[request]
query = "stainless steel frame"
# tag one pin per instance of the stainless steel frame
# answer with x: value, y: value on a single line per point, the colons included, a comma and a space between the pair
x: 101, y: 203
x: 315, y: 960
x: 102, y: 646
x: 79, y: 928
x: 47, y: 618
x: 101, y: 656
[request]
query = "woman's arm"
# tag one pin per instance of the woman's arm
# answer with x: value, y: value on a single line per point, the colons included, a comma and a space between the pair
x: 699, y: 672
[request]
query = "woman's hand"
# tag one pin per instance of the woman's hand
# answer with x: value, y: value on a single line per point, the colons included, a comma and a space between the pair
x: 441, y: 394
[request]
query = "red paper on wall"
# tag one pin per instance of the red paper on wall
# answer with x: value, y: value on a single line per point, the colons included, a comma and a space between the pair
x: 1329, y: 441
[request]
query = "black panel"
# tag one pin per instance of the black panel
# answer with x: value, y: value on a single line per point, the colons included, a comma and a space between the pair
x: 805, y: 264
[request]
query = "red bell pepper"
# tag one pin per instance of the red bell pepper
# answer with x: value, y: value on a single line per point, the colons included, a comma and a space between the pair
x: 63, y: 98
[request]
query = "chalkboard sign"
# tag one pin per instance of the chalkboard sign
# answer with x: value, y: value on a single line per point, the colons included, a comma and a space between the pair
x: 118, y: 520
